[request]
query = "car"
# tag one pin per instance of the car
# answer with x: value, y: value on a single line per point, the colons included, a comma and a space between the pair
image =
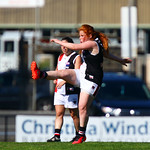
x: 12, y: 95
x: 121, y: 95
x: 16, y: 92
x: 44, y: 99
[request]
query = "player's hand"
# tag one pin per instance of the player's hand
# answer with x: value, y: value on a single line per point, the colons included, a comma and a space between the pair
x: 55, y: 81
x: 60, y: 84
x: 125, y: 61
x: 55, y: 40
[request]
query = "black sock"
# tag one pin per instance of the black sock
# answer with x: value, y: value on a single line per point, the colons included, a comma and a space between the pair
x: 43, y: 74
x: 57, y: 133
x: 77, y: 133
x: 82, y: 130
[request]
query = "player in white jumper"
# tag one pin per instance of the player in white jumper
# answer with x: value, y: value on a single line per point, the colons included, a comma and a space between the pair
x: 66, y: 95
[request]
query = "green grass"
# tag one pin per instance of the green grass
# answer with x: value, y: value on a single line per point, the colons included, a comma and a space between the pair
x: 69, y: 146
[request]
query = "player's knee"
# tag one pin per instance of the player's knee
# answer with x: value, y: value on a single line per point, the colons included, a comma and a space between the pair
x: 59, y: 115
x: 73, y: 114
x: 82, y: 109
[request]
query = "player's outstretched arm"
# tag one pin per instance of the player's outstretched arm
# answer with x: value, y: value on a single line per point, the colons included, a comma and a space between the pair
x: 123, y: 61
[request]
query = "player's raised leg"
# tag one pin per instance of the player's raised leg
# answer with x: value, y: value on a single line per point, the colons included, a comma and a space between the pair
x: 68, y: 75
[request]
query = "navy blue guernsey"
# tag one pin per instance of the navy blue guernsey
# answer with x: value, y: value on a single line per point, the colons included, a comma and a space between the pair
x: 94, y: 70
x: 70, y: 89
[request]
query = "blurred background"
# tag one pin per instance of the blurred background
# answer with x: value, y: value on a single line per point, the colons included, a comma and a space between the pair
x: 25, y: 30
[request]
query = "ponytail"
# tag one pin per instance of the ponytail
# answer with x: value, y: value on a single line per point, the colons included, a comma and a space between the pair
x: 104, y: 40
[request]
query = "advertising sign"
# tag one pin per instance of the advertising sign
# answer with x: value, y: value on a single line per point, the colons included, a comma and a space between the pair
x: 125, y: 129
x: 40, y: 128
x: 113, y: 129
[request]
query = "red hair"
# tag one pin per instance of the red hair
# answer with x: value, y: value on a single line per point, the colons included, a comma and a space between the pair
x: 89, y: 30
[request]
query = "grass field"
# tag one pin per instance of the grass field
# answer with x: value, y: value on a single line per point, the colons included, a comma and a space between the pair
x: 69, y: 146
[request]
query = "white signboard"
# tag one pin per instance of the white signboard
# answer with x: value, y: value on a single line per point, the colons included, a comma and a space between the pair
x: 21, y: 3
x: 115, y: 129
x: 41, y: 128
x: 126, y: 129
